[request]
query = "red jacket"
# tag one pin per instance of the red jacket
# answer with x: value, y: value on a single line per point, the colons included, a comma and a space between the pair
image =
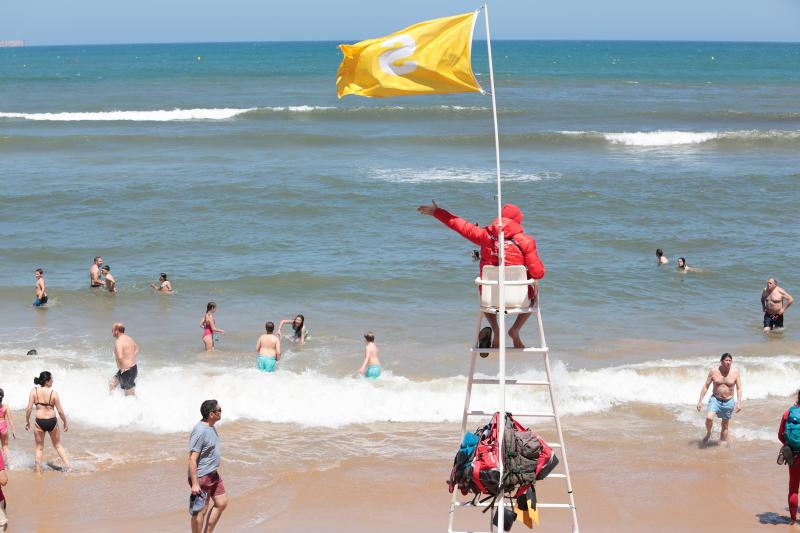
x: 521, y: 253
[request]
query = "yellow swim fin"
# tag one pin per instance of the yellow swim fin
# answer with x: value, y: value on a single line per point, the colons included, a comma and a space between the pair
x: 525, y: 508
x: 533, y: 515
x: 522, y: 516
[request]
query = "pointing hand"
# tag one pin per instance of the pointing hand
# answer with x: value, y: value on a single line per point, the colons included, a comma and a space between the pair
x: 428, y: 209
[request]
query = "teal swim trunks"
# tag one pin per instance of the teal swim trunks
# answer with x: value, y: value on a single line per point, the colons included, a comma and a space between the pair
x: 266, y: 364
x: 373, y: 371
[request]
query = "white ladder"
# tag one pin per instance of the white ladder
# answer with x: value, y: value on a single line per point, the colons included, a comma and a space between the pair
x: 553, y: 414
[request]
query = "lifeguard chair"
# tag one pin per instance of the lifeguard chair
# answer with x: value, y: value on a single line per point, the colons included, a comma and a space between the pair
x: 516, y: 301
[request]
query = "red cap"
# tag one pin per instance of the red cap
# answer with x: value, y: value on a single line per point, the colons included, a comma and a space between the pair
x: 513, y: 212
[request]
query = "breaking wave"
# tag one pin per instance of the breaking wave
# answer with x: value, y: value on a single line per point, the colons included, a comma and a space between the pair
x: 167, y: 115
x: 168, y: 397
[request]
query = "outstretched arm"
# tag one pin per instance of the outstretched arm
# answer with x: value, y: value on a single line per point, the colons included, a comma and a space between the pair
x: 468, y: 230
x: 703, y: 391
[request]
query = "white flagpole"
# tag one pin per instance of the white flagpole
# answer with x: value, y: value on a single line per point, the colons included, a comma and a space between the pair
x: 501, y: 282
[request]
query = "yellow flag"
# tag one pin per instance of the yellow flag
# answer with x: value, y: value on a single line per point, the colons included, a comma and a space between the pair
x: 431, y: 57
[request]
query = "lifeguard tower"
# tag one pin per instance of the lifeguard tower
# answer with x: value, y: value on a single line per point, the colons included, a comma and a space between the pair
x: 505, y: 291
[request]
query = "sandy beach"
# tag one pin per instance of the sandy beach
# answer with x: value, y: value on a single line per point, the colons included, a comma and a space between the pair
x: 627, y: 477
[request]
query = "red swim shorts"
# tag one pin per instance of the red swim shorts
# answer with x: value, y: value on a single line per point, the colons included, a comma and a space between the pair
x: 211, y: 484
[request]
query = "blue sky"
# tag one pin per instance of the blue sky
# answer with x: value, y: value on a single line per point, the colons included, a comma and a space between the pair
x: 43, y: 22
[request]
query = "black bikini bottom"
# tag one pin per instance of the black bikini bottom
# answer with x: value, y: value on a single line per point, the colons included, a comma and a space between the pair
x: 46, y: 424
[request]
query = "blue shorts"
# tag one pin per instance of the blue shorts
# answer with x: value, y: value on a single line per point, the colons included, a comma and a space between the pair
x: 373, y: 372
x: 723, y: 408
x: 266, y: 364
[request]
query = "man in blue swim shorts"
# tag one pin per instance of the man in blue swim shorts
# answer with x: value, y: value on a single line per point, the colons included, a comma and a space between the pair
x: 268, y: 349
x: 725, y: 378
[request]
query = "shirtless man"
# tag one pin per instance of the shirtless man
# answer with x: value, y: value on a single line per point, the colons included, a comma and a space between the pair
x: 125, y: 352
x: 94, y: 273
x: 661, y: 259
x: 109, y: 281
x: 371, y: 367
x: 721, y: 403
x: 39, y: 290
x: 268, y: 349
x: 772, y: 303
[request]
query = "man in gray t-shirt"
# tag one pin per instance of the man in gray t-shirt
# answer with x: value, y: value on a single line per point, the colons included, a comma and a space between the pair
x: 204, y: 460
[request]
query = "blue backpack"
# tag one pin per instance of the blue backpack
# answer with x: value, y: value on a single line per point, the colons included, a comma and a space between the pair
x: 461, y: 474
x: 792, y: 429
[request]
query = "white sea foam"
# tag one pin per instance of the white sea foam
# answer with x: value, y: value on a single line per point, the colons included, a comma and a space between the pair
x: 456, y: 175
x: 649, y: 139
x: 160, y: 115
x: 299, y: 108
x: 660, y: 138
x: 166, y: 115
x: 168, y: 397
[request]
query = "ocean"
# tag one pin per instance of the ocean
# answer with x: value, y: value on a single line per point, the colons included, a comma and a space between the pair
x: 234, y: 169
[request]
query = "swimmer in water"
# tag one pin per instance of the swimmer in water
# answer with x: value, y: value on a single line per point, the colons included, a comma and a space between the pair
x: 94, y: 273
x: 109, y: 281
x: 682, y: 266
x: 268, y: 349
x: 163, y: 285
x: 371, y: 367
x: 209, y: 325
x: 39, y: 290
x: 298, y: 326
x: 661, y: 259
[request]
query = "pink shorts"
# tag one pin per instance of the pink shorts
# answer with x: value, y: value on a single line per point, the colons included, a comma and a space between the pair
x: 211, y: 484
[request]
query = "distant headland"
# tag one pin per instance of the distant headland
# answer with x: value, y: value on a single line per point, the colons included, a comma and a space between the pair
x: 16, y: 43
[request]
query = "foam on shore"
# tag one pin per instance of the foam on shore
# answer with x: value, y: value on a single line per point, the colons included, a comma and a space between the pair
x: 168, y: 397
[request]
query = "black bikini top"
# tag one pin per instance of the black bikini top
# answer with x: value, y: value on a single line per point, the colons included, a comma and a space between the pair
x: 49, y: 401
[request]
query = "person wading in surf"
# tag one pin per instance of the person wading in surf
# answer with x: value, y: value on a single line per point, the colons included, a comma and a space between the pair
x: 125, y: 352
x: 721, y: 403
x: 774, y: 302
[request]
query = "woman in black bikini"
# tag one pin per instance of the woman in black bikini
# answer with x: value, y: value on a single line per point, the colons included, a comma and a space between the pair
x: 47, y: 404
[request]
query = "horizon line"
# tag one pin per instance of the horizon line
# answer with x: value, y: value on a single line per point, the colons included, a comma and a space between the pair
x: 710, y: 41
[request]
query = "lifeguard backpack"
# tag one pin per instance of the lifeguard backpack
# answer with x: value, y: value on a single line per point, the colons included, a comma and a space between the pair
x: 528, y: 459
x: 792, y: 428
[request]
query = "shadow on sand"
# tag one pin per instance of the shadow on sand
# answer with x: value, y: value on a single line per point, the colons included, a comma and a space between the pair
x: 703, y: 443
x: 773, y: 519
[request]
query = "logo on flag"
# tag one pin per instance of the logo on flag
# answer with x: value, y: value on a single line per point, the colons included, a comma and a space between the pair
x: 431, y: 57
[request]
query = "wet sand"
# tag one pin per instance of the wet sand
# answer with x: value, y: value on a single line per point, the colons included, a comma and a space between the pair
x: 627, y: 477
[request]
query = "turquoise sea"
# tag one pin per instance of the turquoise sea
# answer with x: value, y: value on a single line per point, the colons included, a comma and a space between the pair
x: 235, y: 169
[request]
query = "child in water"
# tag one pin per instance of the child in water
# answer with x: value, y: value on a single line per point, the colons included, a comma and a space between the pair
x: 371, y: 368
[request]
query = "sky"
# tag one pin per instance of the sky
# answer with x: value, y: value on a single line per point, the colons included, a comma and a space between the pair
x: 52, y: 22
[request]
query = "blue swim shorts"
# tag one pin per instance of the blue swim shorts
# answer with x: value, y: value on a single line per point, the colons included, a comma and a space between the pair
x: 373, y: 372
x: 266, y: 364
x: 723, y: 408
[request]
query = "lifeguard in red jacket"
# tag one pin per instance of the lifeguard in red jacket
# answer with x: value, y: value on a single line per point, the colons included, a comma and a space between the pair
x: 520, y: 249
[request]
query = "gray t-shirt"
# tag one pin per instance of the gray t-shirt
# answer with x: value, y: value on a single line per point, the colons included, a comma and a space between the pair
x: 205, y: 440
